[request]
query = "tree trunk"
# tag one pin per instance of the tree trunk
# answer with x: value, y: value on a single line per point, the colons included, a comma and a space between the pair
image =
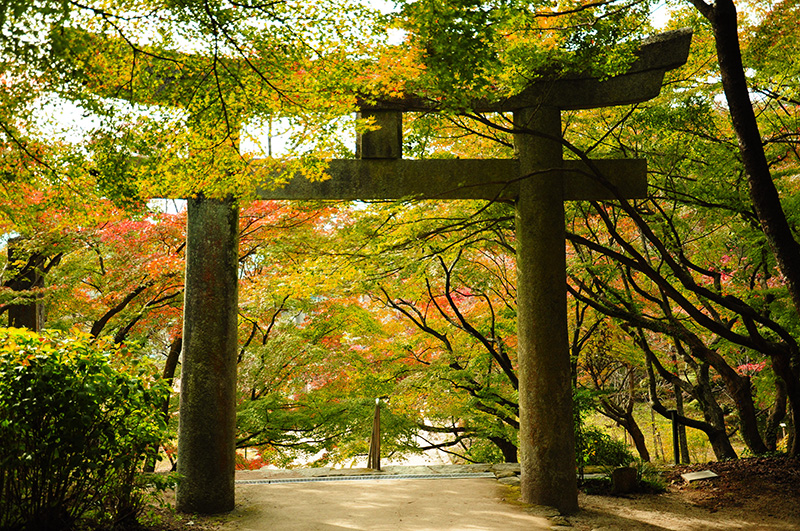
x: 26, y: 275
x: 714, y: 425
x: 638, y: 438
x: 623, y: 415
x: 168, y: 375
x: 508, y: 449
x: 776, y: 414
x: 629, y: 424
x: 714, y: 416
x: 763, y: 193
x: 655, y: 432
x: 739, y: 389
x: 170, y: 365
x: 683, y: 445
x: 781, y: 365
x: 742, y: 395
x: 721, y: 445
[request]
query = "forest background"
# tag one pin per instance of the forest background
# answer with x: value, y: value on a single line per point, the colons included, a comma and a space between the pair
x: 685, y: 301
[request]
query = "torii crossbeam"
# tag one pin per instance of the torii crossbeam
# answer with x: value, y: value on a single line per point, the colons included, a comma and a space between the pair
x: 538, y: 180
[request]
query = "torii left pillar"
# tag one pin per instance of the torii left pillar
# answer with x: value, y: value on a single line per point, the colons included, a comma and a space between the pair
x: 207, y: 429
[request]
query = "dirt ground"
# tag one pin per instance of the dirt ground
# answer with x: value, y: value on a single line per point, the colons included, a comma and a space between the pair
x: 380, y: 505
x: 750, y: 494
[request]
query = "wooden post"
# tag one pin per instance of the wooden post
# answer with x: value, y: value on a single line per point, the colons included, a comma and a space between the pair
x: 546, y: 434
x: 207, y: 430
x: 374, y: 457
x: 676, y: 440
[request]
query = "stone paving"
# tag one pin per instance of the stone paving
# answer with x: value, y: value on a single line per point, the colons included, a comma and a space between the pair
x: 504, y: 471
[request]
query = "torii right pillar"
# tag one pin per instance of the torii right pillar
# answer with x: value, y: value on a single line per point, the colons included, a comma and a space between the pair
x: 546, y: 432
x: 546, y: 435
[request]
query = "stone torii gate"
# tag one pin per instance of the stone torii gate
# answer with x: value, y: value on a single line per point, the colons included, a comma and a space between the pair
x: 538, y: 180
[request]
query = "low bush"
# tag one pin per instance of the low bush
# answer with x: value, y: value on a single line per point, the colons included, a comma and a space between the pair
x: 596, y: 448
x: 78, y: 417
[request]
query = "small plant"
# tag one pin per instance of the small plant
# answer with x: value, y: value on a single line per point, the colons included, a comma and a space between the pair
x: 596, y: 485
x: 79, y: 416
x: 600, y: 449
x: 649, y: 477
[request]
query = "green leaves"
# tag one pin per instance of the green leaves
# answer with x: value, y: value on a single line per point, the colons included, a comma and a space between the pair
x: 78, y: 421
x: 457, y: 42
x: 472, y: 50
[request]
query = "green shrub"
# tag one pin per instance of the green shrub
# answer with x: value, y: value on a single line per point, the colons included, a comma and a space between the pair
x: 77, y: 418
x: 596, y: 448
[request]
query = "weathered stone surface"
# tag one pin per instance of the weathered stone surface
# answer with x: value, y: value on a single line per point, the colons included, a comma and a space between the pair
x: 546, y: 433
x: 491, y: 179
x: 506, y: 467
x: 641, y: 82
x: 505, y: 474
x: 206, y: 434
x: 512, y: 481
x: 475, y: 467
x: 386, y: 142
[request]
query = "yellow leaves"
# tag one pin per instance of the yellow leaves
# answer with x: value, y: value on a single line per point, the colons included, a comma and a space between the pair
x: 391, y: 74
x: 23, y: 344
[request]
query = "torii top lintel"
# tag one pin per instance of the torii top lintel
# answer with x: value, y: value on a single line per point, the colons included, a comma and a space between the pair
x: 383, y: 174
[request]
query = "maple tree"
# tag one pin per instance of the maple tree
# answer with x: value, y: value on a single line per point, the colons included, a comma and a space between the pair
x: 310, y: 362
x: 609, y: 374
x: 679, y: 269
x: 162, y: 80
x: 320, y: 347
x: 447, y: 285
x: 764, y: 194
